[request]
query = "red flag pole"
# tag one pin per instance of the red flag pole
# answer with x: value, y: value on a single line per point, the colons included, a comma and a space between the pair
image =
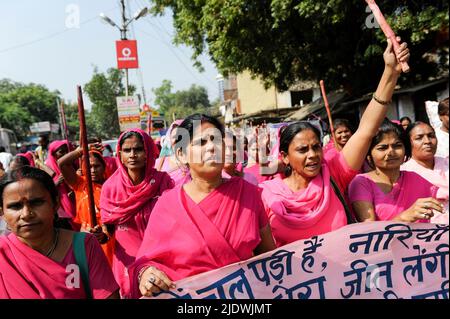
x: 86, y: 166
x: 327, y: 107
x: 387, y: 30
x: 257, y: 145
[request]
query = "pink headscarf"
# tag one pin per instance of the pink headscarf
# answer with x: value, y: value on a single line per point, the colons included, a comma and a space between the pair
x: 67, y: 209
x: 301, y: 209
x: 51, y: 161
x: 120, y: 199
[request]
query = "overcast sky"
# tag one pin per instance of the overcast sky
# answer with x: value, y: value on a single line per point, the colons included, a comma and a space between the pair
x: 44, y: 43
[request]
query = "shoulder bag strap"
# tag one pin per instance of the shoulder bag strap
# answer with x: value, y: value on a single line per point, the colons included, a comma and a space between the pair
x: 350, y: 219
x: 79, y: 251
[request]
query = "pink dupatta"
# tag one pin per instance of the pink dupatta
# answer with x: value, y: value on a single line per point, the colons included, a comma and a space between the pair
x: 67, y: 209
x: 129, y: 207
x: 301, y: 209
x: 120, y: 199
x: 182, y: 240
x: 27, y: 274
x: 303, y: 214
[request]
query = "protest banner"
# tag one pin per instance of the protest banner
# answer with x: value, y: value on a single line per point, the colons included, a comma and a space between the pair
x: 377, y: 260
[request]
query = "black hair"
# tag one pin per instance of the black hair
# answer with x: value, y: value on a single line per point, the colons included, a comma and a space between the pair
x: 288, y: 133
x: 405, y: 118
x: 94, y: 139
x: 188, y: 125
x: 342, y: 122
x: 20, y: 161
x: 28, y: 172
x: 128, y: 135
x: 65, y: 145
x: 2, y: 149
x: 389, y: 127
x: 99, y: 157
x: 443, y: 107
x: 414, y: 125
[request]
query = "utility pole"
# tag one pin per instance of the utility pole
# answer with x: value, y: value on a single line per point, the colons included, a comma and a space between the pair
x: 123, y: 29
x: 123, y: 36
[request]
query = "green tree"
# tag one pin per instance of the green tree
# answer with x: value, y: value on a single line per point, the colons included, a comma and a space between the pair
x: 102, y: 89
x: 15, y: 117
x: 284, y: 41
x: 181, y: 103
x: 39, y: 101
x: 195, y: 97
x: 72, y: 120
x: 164, y: 98
x: 6, y: 85
x: 22, y: 104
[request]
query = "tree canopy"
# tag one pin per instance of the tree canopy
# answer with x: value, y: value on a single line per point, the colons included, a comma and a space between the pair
x: 284, y: 41
x: 22, y: 104
x: 181, y: 103
x: 102, y: 89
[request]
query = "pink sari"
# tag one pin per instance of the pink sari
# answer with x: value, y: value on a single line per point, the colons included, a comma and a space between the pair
x: 438, y: 177
x: 329, y: 151
x: 409, y: 187
x: 111, y: 165
x: 255, y: 171
x: 184, y: 238
x: 27, y: 274
x: 129, y: 207
x: 67, y: 209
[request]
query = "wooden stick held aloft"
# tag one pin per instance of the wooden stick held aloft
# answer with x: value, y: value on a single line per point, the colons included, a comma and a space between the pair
x: 327, y: 107
x: 387, y: 30
x: 85, y: 163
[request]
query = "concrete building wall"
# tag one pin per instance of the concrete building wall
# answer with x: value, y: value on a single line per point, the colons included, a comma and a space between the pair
x: 284, y: 99
x: 252, y: 95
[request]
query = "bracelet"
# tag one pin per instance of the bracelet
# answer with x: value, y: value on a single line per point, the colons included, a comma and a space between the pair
x: 381, y: 101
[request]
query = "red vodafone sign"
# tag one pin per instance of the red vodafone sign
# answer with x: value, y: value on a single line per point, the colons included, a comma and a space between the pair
x: 127, y: 57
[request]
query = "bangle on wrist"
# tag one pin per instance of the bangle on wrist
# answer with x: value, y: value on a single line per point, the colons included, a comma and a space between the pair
x: 378, y: 100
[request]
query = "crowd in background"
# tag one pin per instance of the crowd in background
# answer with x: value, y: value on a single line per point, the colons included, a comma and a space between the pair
x: 209, y: 197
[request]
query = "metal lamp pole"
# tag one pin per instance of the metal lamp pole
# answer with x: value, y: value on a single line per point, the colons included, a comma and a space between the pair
x: 123, y: 30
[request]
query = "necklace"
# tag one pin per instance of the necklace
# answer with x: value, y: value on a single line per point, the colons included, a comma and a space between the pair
x: 55, y: 243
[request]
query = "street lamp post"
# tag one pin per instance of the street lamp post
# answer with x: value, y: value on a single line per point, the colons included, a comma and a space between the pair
x: 123, y: 29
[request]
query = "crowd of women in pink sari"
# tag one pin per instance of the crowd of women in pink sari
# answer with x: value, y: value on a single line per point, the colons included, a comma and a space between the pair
x: 189, y: 211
